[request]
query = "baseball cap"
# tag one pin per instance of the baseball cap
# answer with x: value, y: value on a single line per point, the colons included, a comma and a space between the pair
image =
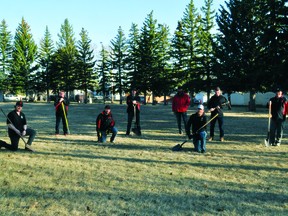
x: 200, y: 106
x: 19, y: 103
x: 107, y: 107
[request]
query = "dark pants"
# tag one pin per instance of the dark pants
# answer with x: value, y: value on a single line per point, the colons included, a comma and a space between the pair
x: 58, y: 119
x: 276, y: 130
x: 180, y: 115
x: 130, y: 119
x: 15, y: 140
x: 220, y: 120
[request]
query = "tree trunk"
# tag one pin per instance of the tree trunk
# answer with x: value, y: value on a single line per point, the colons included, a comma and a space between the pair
x: 252, y: 101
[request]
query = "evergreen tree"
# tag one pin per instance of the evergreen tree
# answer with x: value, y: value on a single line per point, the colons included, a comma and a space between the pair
x: 24, y: 57
x: 191, y: 21
x: 239, y: 47
x: 104, y: 70
x: 46, y: 53
x: 133, y: 57
x: 5, y: 54
x: 66, y: 58
x: 206, y: 48
x: 118, y: 57
x: 86, y: 76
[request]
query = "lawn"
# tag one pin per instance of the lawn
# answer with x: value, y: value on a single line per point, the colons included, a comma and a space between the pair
x: 75, y: 175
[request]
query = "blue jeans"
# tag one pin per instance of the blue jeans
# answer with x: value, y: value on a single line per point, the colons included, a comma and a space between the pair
x: 199, y: 141
x: 103, y: 137
x: 220, y: 120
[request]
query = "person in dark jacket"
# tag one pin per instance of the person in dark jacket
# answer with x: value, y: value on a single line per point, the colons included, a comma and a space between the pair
x: 180, y: 104
x: 133, y: 109
x: 105, y: 124
x: 278, y: 112
x: 199, y: 134
x: 215, y: 106
x: 17, y: 128
x: 61, y: 111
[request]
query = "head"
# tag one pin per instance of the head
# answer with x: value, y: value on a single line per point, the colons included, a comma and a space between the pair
x: 62, y: 94
x: 217, y: 91
x: 107, y: 109
x: 200, y: 109
x: 279, y: 92
x: 134, y: 91
x: 18, y: 106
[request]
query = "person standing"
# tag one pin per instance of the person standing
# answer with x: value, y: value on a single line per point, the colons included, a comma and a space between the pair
x: 133, y: 109
x: 180, y: 104
x: 215, y: 106
x: 105, y: 124
x: 61, y: 111
x: 278, y: 105
x: 17, y: 128
x: 199, y: 134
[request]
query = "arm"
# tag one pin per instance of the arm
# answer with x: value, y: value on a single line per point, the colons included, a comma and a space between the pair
x: 12, y: 127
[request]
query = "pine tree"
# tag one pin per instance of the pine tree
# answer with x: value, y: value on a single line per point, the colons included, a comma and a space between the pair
x: 118, y: 57
x: 85, y: 64
x: 133, y: 57
x: 5, y: 54
x: 104, y: 69
x: 66, y: 57
x: 46, y: 52
x: 24, y: 57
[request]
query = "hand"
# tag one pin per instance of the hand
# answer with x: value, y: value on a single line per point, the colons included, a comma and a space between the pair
x: 61, y: 99
x: 134, y: 102
x: 24, y: 133
x: 212, y: 109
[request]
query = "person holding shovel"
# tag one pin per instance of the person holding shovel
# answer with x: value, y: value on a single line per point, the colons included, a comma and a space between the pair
x: 17, y: 128
x: 198, y: 122
x: 61, y: 111
x: 215, y: 107
x: 133, y: 109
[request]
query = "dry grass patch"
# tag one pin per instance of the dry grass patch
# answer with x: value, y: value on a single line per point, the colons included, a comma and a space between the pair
x: 74, y: 175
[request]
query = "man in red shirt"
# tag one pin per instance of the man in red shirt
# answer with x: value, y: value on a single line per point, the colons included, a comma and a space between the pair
x: 180, y: 105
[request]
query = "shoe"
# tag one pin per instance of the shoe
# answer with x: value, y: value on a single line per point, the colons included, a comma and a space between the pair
x: 180, y: 131
x: 221, y: 139
x: 210, y: 139
x: 203, y: 151
x: 277, y: 143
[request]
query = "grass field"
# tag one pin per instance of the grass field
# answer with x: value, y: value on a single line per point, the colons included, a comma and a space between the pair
x: 74, y: 175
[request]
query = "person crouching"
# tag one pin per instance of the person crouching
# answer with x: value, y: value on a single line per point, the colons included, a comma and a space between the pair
x: 199, y: 134
x: 105, y: 124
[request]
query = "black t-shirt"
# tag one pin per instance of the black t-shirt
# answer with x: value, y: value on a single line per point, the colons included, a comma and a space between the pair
x: 17, y: 120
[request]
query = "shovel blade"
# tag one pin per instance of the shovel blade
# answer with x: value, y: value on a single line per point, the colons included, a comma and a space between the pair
x: 266, y: 141
x: 177, y: 147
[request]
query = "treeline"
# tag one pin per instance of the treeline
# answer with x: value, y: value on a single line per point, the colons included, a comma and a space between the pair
x: 247, y: 52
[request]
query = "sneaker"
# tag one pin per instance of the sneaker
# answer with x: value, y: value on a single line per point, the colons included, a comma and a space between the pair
x: 203, y: 151
x: 277, y: 143
x: 221, y: 139
x: 180, y: 132
x: 210, y: 139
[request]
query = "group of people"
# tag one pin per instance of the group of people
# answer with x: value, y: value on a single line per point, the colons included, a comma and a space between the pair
x: 198, y: 121
x: 195, y: 125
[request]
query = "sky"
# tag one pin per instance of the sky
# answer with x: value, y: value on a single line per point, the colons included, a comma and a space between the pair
x: 100, y: 18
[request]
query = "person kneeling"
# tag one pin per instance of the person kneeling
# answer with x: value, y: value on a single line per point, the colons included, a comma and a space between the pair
x: 105, y: 124
x: 198, y: 122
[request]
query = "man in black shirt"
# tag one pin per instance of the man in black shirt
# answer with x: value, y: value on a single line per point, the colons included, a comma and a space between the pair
x: 214, y: 106
x: 278, y: 117
x: 133, y: 109
x: 17, y: 128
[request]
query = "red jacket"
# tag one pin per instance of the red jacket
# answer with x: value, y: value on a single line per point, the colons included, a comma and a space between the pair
x: 181, y: 102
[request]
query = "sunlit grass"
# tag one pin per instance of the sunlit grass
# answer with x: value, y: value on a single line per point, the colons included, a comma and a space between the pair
x: 74, y: 175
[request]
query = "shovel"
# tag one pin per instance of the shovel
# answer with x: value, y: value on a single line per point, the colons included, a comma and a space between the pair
x: 267, y: 140
x: 178, y: 147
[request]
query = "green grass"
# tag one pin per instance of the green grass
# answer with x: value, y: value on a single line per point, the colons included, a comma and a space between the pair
x: 74, y: 175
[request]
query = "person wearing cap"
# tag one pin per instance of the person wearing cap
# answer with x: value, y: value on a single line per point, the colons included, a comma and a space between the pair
x: 199, y: 134
x: 215, y: 105
x: 17, y: 128
x: 133, y: 109
x: 180, y: 104
x: 278, y: 105
x: 61, y: 111
x: 105, y: 124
